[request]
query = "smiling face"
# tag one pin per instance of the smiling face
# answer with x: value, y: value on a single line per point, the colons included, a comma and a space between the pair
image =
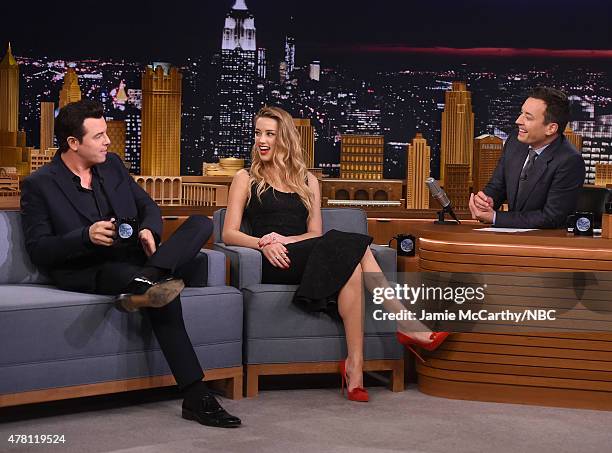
x: 92, y: 149
x: 532, y: 128
x: 266, y: 131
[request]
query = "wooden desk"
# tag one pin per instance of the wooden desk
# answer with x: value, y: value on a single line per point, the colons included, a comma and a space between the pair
x: 458, y: 248
x: 552, y: 369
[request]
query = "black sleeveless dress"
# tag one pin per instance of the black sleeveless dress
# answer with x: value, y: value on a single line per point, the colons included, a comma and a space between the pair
x: 320, y: 266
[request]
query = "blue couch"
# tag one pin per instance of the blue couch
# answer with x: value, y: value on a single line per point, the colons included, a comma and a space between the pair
x: 279, y: 338
x: 58, y: 344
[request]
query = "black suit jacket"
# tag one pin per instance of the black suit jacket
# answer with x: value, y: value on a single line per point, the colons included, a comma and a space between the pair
x: 56, y: 227
x: 552, y: 188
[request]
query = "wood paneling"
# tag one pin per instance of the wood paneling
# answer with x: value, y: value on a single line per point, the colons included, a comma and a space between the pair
x: 231, y: 377
x: 396, y: 367
x: 553, y: 369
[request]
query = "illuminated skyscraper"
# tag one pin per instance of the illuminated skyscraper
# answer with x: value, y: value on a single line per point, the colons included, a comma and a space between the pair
x: 361, y: 156
x: 574, y: 138
x: 261, y: 63
x: 363, y: 122
x: 133, y: 126
x: 603, y: 174
x: 160, y: 153
x: 135, y: 97
x: 315, y: 70
x: 237, y: 83
x: 47, y: 122
x: 116, y: 130
x: 457, y: 129
x: 457, y: 185
x: 38, y: 158
x: 289, y: 55
x: 12, y: 141
x: 70, y: 92
x: 596, y: 139
x: 487, y: 151
x: 9, y: 92
x: 417, y: 171
x: 307, y: 138
x: 282, y: 72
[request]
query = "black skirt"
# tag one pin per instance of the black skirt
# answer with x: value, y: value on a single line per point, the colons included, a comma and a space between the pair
x: 321, y: 267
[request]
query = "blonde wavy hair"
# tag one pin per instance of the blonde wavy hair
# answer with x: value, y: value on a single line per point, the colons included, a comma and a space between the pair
x: 288, y: 158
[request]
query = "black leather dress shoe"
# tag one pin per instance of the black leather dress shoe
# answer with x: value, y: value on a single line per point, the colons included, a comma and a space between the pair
x: 145, y: 293
x: 207, y: 411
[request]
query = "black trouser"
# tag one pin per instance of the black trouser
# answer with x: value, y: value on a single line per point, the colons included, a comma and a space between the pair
x: 176, y: 256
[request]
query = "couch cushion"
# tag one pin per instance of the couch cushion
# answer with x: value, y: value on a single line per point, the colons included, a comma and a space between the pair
x: 350, y: 220
x: 270, y: 312
x: 81, y: 338
x: 277, y: 331
x: 15, y: 264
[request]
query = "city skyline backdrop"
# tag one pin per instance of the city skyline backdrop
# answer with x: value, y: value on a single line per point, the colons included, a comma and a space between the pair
x: 387, y: 80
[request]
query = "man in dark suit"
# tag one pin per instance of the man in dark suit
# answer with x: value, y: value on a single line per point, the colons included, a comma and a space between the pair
x: 539, y: 174
x: 74, y: 208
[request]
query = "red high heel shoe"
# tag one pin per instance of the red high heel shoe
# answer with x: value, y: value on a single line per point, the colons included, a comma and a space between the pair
x: 358, y: 393
x: 436, y: 337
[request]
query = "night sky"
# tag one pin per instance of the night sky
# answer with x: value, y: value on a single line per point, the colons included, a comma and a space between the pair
x: 146, y: 30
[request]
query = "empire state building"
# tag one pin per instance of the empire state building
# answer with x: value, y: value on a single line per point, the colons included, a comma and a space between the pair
x: 237, y: 83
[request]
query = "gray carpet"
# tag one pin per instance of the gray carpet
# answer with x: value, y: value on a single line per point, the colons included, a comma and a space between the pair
x: 314, y: 421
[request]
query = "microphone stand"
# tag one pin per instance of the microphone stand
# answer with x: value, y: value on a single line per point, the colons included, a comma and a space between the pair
x: 447, y: 210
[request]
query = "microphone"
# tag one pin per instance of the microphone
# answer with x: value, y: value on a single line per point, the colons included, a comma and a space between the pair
x: 439, y: 194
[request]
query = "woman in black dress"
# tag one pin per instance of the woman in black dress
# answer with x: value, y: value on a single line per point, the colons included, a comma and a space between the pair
x: 282, y: 202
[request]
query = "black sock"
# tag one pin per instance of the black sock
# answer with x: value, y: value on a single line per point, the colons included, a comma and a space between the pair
x: 196, y: 390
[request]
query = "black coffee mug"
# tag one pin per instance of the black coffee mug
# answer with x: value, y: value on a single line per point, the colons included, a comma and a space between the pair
x: 406, y: 244
x: 569, y: 223
x: 127, y: 229
x: 583, y: 224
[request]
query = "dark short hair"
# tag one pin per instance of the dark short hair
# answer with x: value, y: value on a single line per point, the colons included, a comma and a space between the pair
x: 70, y: 119
x: 557, y: 106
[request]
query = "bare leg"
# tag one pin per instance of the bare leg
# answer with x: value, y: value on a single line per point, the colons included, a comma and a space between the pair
x: 374, y: 278
x: 351, y: 311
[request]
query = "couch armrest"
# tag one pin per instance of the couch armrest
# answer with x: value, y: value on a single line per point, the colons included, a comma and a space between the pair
x: 216, y: 267
x: 386, y: 257
x: 245, y: 264
x: 206, y: 269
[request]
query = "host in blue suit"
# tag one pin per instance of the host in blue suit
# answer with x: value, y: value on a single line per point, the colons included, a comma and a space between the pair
x: 70, y: 209
x: 539, y: 174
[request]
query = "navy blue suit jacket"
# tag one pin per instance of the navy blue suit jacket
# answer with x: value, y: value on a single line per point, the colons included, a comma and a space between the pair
x: 552, y: 189
x: 56, y: 226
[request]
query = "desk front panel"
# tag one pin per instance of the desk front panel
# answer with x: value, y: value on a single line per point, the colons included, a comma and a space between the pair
x: 554, y: 368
